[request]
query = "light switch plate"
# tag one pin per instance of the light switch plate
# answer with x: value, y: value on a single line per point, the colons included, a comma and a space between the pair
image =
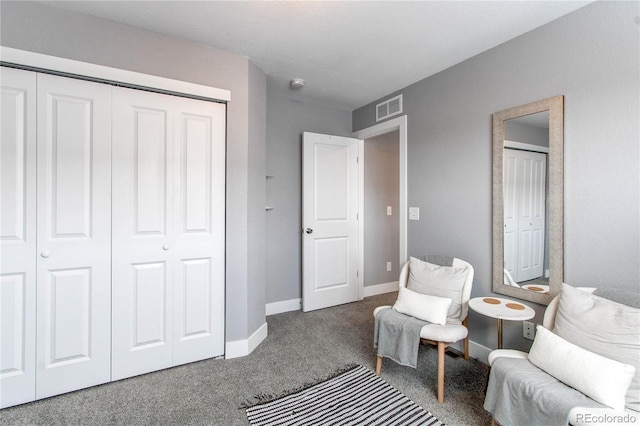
x: 389, y: 210
x: 414, y: 213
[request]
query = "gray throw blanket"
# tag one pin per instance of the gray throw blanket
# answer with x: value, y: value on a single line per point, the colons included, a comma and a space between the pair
x: 542, y: 399
x: 397, y: 336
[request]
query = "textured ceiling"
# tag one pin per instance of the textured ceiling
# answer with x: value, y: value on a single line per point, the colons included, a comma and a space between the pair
x: 349, y: 53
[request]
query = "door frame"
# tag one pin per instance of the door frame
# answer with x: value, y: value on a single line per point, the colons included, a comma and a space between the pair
x: 399, y: 124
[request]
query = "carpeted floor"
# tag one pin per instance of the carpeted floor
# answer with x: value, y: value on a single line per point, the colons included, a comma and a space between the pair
x: 300, y: 348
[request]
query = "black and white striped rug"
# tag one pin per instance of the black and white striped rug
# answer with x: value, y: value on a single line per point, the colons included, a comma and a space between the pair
x: 354, y: 397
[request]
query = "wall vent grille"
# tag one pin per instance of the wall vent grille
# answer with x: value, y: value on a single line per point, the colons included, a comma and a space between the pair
x: 389, y: 108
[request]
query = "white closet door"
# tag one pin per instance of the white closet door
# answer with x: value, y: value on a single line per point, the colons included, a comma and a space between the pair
x: 142, y: 232
x: 74, y: 235
x: 524, y: 213
x: 18, y: 238
x: 531, y: 216
x: 198, y: 245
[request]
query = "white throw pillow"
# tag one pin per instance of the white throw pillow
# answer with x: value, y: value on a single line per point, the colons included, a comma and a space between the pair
x: 428, y: 308
x: 602, y: 379
x: 442, y: 281
x: 604, y: 327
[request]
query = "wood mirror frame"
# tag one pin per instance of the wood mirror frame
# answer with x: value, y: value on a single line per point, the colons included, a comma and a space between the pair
x: 555, y: 198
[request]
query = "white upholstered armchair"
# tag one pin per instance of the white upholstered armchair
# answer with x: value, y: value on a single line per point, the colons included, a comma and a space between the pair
x: 584, y: 364
x: 434, y: 301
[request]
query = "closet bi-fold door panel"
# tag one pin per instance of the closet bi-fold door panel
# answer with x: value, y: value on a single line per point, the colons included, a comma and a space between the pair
x: 198, y: 255
x: 18, y: 238
x: 73, y: 235
x: 142, y: 232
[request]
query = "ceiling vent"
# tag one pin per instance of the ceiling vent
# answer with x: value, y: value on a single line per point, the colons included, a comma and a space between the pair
x: 389, y: 108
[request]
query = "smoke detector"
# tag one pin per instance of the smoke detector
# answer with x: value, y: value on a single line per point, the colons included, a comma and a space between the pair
x: 297, y: 83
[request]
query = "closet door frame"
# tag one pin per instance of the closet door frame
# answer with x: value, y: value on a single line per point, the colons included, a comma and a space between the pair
x: 24, y: 59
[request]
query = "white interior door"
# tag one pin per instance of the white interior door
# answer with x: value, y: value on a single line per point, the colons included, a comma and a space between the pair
x: 142, y: 232
x: 17, y: 237
x: 330, y: 221
x: 73, y: 234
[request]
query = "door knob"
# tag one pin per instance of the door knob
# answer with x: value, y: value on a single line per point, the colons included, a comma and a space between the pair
x: 45, y: 254
x: 309, y: 231
x: 165, y: 247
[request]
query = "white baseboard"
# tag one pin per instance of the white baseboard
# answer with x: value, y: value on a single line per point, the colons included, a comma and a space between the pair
x: 238, y: 348
x: 296, y: 304
x: 476, y: 351
x: 374, y: 290
x: 479, y: 352
x: 283, y: 306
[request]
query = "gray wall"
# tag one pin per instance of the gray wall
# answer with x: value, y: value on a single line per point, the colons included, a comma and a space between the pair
x: 53, y: 31
x: 591, y: 57
x: 288, y: 116
x: 256, y: 198
x: 381, y: 232
x: 525, y: 133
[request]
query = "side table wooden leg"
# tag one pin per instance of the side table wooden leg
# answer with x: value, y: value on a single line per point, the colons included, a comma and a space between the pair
x: 499, y: 333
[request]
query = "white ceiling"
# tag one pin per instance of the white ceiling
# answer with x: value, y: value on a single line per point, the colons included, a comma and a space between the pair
x: 350, y: 53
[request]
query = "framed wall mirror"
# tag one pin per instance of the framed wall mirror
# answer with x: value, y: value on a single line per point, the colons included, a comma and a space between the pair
x: 528, y: 200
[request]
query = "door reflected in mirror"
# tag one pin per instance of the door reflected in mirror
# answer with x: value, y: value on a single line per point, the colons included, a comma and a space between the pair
x: 528, y: 200
x: 526, y: 249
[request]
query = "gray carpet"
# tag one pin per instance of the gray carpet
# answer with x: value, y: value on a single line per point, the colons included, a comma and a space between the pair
x: 301, y: 347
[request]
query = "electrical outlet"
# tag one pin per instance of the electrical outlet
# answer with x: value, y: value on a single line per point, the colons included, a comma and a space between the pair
x: 388, y: 266
x: 528, y: 330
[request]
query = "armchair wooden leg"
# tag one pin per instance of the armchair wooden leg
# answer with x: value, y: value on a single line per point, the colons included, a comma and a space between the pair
x: 466, y: 348
x: 378, y: 365
x: 441, y: 348
x: 466, y: 339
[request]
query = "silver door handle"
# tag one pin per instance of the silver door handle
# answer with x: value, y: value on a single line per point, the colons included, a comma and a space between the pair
x: 309, y: 231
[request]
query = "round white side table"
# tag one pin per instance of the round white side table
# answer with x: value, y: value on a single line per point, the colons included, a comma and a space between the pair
x: 497, y: 307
